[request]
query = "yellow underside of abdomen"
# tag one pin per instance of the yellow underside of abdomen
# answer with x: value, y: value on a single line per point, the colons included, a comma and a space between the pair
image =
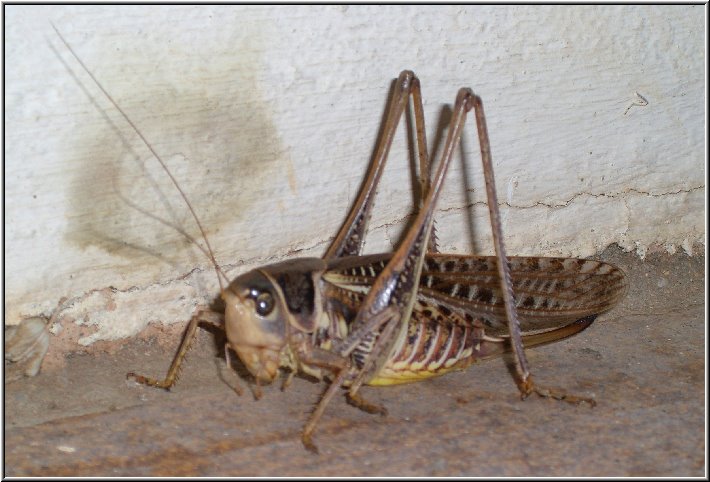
x: 391, y: 376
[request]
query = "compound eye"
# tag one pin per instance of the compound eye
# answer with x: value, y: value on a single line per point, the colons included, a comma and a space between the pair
x: 264, y: 303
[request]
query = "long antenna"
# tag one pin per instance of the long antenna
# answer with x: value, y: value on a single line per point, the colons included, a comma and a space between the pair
x: 210, y: 253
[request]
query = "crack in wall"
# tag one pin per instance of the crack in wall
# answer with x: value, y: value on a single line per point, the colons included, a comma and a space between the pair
x: 569, y: 201
x: 299, y: 248
x: 179, y: 295
x: 399, y: 220
x: 189, y: 278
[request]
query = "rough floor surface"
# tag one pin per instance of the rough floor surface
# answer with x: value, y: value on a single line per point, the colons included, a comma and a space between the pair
x: 643, y: 362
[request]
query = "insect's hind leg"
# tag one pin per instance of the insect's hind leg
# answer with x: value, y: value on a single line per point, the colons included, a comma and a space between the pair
x: 202, y: 315
x: 524, y: 377
x: 424, y: 163
x: 350, y: 238
x: 391, y: 297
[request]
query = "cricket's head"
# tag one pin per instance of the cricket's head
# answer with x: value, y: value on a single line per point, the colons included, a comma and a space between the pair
x: 269, y: 307
x: 255, y: 325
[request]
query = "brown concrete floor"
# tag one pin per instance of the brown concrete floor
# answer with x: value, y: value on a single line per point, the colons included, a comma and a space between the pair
x: 643, y: 362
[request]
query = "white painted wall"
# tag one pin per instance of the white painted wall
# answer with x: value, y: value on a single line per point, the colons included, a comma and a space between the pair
x: 268, y: 115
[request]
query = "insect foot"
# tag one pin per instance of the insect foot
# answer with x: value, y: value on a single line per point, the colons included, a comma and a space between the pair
x: 165, y: 384
x: 564, y: 397
x: 307, y: 441
x: 357, y: 401
x: 527, y: 387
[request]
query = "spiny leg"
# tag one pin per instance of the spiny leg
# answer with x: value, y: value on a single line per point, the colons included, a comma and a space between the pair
x: 389, y: 318
x: 394, y: 291
x: 350, y: 238
x: 424, y: 162
x: 525, y: 380
x: 185, y: 345
x: 398, y: 281
x: 390, y: 301
x: 375, y: 354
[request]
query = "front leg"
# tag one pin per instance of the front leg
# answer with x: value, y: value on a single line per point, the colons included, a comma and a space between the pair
x: 202, y: 315
x: 340, y: 366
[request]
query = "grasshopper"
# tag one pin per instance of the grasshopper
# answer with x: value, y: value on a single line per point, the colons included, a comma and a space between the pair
x: 405, y: 316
